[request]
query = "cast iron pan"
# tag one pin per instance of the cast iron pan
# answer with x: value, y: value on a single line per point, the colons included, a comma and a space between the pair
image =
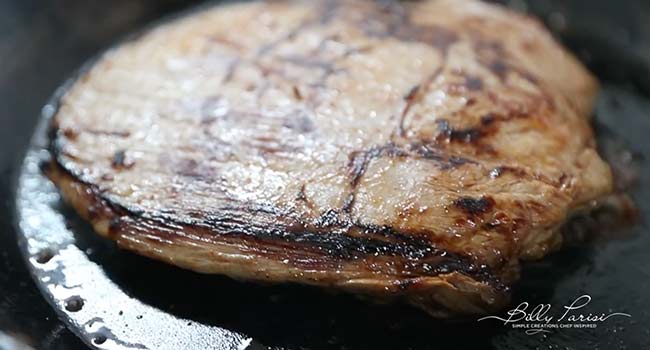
x: 113, y: 299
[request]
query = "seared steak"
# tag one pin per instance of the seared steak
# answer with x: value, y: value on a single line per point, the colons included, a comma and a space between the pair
x: 411, y: 150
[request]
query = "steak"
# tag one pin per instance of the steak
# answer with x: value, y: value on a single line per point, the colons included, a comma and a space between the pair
x: 414, y: 151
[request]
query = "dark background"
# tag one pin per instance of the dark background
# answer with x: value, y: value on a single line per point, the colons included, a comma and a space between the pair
x: 43, y: 42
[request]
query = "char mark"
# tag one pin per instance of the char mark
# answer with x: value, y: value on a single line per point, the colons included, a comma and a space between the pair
x: 337, y: 238
x: 300, y: 123
x: 498, y: 68
x: 473, y: 83
x: 411, y: 98
x: 121, y: 160
x: 473, y: 134
x: 475, y: 206
x: 432, y: 35
x: 467, y: 135
x: 360, y: 160
x: 392, y: 20
x: 494, y: 57
x: 445, y: 161
x: 122, y: 134
x: 331, y: 234
x: 327, y: 13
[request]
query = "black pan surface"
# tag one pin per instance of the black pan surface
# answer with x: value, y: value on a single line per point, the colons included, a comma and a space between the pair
x: 115, y: 300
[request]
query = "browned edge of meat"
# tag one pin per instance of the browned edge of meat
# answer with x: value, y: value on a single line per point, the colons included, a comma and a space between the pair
x: 454, y: 286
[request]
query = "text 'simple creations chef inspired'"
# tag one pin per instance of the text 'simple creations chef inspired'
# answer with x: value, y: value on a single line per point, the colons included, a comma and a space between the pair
x: 411, y: 150
x: 540, y: 318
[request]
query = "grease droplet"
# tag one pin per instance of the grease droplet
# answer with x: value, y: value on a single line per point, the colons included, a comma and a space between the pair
x: 44, y: 256
x: 74, y: 303
x: 99, y: 339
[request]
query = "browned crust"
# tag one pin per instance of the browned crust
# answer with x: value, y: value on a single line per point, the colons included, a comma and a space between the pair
x: 462, y: 289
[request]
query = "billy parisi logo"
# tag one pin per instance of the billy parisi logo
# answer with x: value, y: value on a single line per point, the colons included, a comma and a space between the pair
x: 538, y: 319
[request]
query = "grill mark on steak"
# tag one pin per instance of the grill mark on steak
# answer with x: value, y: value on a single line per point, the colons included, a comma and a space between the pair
x: 326, y: 14
x: 356, y: 242
x: 493, y: 56
x: 123, y: 134
x: 360, y: 160
x: 392, y: 20
x: 473, y: 135
x: 467, y: 135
